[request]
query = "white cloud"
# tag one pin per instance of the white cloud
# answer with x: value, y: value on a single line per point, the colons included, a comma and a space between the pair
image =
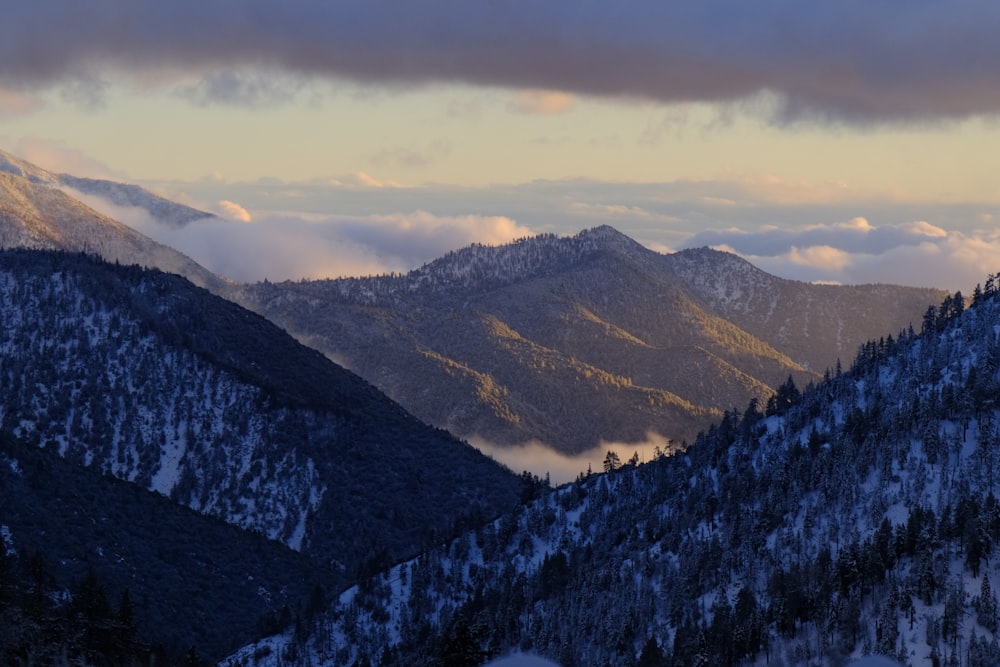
x: 233, y: 211
x: 540, y: 459
x: 292, y: 246
x: 857, y: 235
x: 839, y: 234
x: 821, y: 257
x: 953, y: 261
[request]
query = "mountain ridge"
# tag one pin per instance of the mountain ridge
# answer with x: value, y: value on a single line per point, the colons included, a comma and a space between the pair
x: 163, y: 210
x: 145, y: 376
x: 855, y: 518
x: 37, y: 215
x: 599, y: 298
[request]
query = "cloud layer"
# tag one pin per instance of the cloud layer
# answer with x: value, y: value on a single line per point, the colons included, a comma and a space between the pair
x: 853, y: 252
x: 843, y: 61
x: 250, y: 248
x: 823, y: 232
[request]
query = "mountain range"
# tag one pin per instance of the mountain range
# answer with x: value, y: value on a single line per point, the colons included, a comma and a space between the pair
x: 570, y: 342
x: 180, y: 476
x: 584, y: 340
x: 141, y: 376
x: 858, y: 518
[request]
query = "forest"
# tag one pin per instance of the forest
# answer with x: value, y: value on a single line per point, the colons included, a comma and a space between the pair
x: 856, y: 516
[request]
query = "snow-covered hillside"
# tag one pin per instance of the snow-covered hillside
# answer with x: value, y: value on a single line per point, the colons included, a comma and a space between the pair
x: 856, y: 517
x: 143, y: 376
x: 112, y: 192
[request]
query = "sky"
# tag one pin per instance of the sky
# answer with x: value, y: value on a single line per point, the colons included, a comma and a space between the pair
x: 848, y: 142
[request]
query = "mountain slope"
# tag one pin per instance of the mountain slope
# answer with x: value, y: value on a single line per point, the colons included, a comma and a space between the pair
x: 120, y: 194
x: 575, y: 341
x: 857, y: 519
x: 192, y: 581
x: 143, y: 376
x: 813, y: 324
x: 35, y: 215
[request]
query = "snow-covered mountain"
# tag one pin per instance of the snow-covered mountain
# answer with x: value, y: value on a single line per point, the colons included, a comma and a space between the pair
x: 35, y: 214
x: 858, y: 517
x: 575, y: 341
x: 813, y: 324
x: 140, y: 375
x: 161, y: 209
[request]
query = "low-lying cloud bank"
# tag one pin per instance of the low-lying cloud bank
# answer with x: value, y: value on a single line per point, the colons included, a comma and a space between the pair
x: 951, y: 246
x: 249, y: 248
x: 541, y: 460
x: 852, y: 252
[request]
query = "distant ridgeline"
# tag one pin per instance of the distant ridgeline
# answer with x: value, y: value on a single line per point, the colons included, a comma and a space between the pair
x: 142, y: 376
x: 577, y: 341
x: 858, y: 516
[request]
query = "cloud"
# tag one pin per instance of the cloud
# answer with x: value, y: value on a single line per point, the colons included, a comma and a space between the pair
x: 234, y: 211
x: 542, y: 102
x: 540, y: 459
x: 292, y: 246
x: 135, y: 217
x: 250, y: 88
x: 793, y: 61
x: 410, y: 156
x: 854, y: 252
x: 854, y: 236
x: 58, y: 157
x: 807, y: 231
x: 368, y: 181
x: 17, y: 103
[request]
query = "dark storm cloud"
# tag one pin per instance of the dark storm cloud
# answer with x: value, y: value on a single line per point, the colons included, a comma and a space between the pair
x: 848, y: 61
x: 241, y: 88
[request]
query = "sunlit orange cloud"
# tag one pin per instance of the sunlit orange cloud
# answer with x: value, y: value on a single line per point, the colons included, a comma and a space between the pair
x: 820, y: 257
x: 16, y: 103
x: 543, y: 102
x: 234, y: 211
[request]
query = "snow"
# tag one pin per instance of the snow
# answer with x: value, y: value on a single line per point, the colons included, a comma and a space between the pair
x: 521, y: 660
x: 8, y: 540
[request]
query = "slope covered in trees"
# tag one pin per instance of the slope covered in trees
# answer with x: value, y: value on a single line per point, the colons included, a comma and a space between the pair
x: 94, y: 568
x: 857, y: 516
x: 143, y: 376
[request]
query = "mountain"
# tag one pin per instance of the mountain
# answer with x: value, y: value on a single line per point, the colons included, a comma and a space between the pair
x: 857, y: 518
x: 161, y: 209
x: 813, y: 324
x: 191, y: 580
x: 571, y: 342
x: 582, y: 340
x: 141, y: 375
x: 34, y: 214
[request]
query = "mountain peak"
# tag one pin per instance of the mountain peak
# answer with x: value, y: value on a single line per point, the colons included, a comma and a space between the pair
x: 606, y: 236
x: 603, y: 233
